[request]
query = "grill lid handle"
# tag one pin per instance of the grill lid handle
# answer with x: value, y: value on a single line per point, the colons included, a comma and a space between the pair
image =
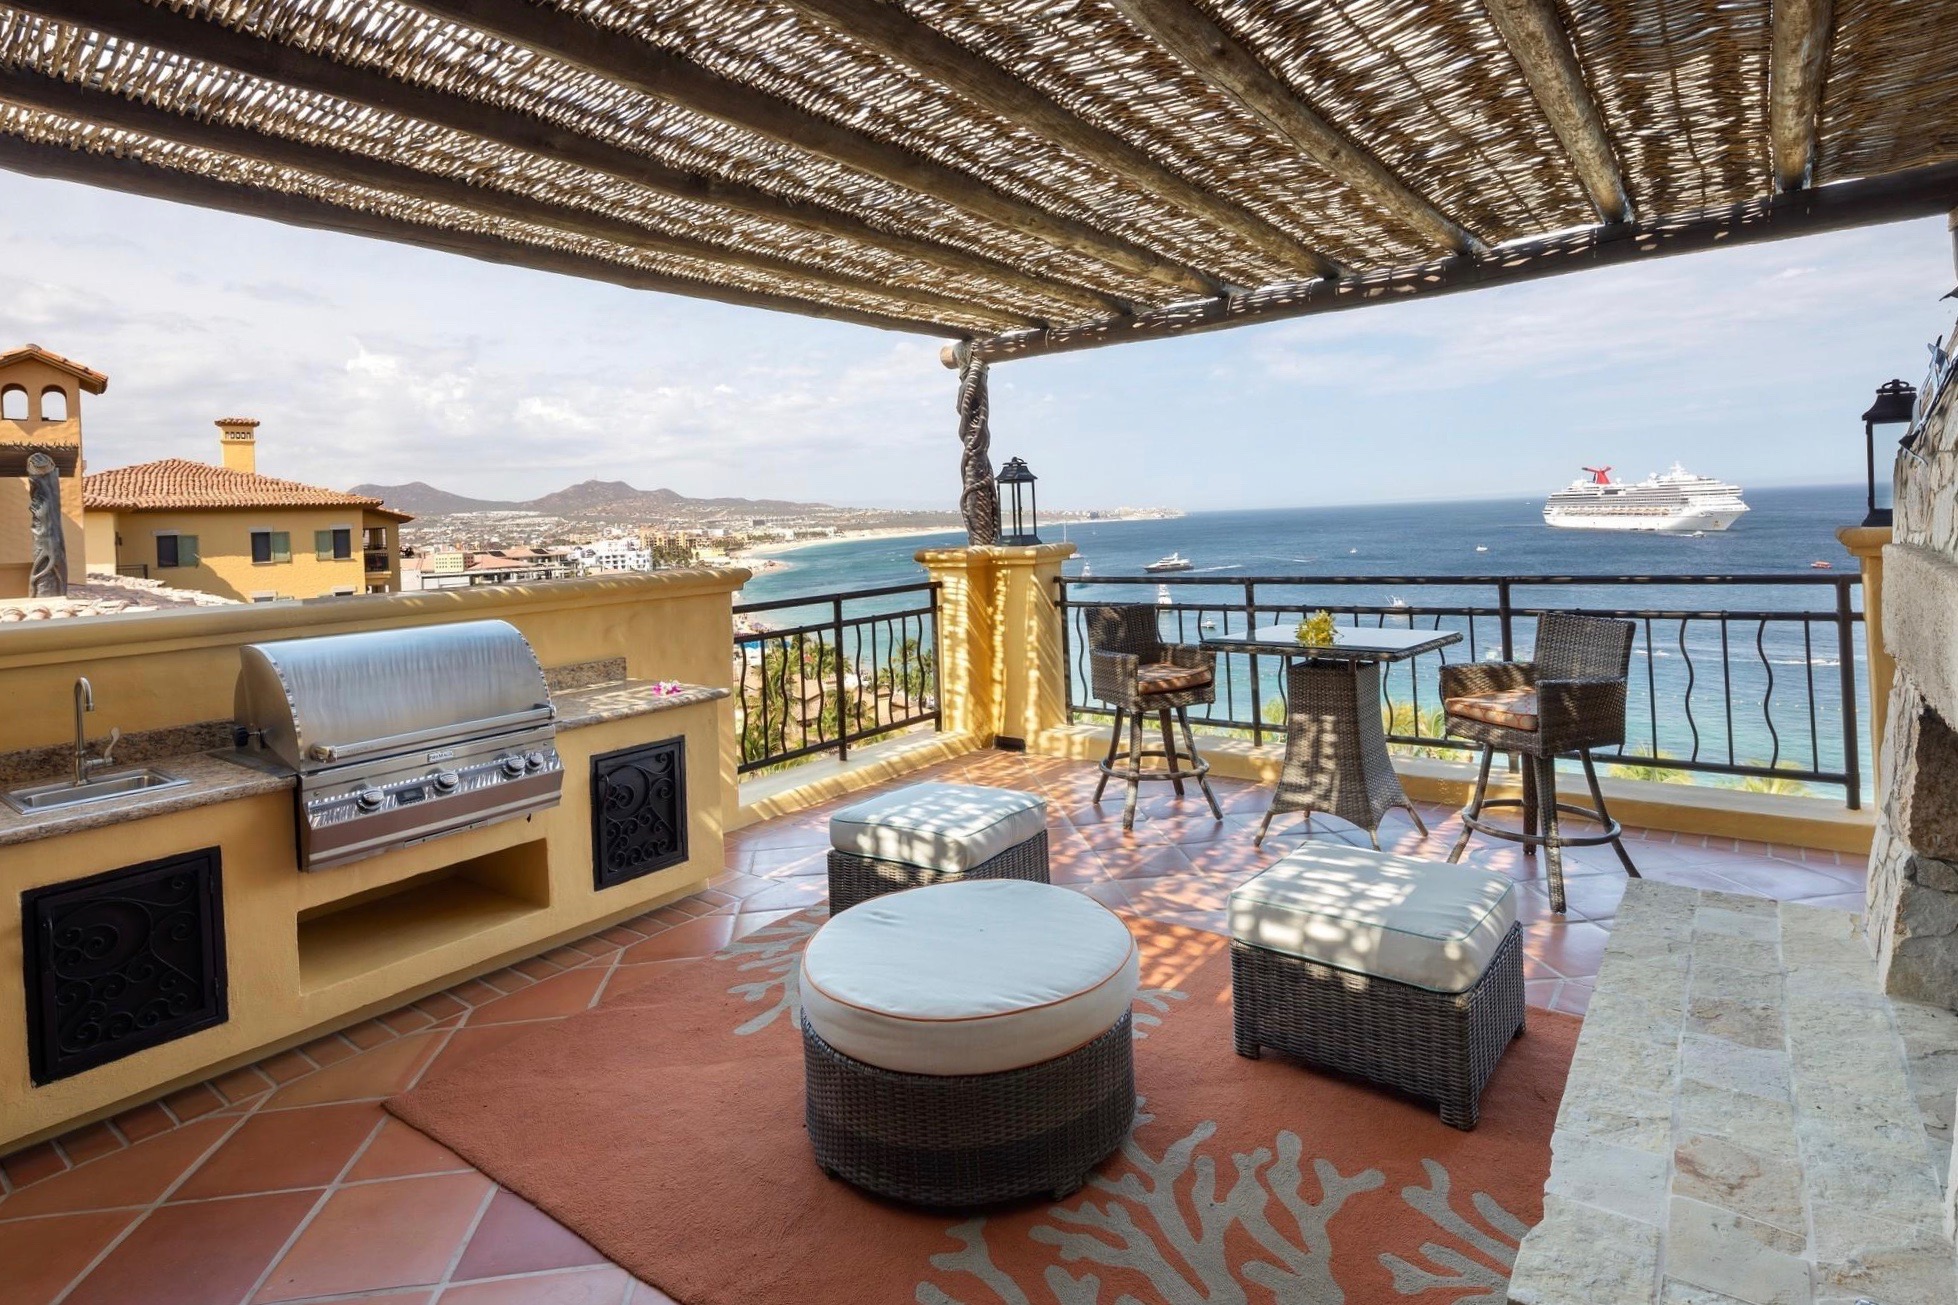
x: 440, y: 734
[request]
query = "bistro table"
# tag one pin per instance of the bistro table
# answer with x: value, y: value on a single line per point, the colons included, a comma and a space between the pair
x: 1335, y: 746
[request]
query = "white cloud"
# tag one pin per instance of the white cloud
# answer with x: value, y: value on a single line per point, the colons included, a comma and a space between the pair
x: 372, y: 362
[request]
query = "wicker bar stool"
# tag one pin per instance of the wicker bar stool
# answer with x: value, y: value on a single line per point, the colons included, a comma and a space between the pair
x: 1569, y: 700
x: 1136, y: 673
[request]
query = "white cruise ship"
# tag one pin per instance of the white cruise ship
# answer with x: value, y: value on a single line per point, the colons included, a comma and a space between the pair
x: 1677, y: 502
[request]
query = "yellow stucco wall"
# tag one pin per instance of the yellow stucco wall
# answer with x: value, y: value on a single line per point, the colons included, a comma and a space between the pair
x: 225, y: 565
x: 99, y: 536
x: 16, y: 541
x: 310, y: 952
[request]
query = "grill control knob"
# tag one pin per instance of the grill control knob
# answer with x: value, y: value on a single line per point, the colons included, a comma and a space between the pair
x: 447, y: 781
x: 534, y: 761
x: 513, y: 766
x: 370, y: 799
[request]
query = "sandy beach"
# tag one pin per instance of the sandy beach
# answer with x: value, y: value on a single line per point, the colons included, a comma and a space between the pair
x: 771, y: 551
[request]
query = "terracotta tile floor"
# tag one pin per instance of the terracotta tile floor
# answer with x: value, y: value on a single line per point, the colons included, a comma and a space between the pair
x: 287, y: 1182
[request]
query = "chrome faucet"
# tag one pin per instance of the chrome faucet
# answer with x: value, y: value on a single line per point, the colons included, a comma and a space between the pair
x: 86, y: 765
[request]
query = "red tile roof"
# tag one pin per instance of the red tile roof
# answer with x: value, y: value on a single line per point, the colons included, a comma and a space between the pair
x: 177, y: 483
x: 92, y: 381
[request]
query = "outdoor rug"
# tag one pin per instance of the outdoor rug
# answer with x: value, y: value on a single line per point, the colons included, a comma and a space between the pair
x: 665, y: 1127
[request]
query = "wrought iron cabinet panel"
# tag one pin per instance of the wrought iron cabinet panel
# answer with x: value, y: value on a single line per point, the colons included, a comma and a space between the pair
x: 638, y: 811
x: 123, y: 961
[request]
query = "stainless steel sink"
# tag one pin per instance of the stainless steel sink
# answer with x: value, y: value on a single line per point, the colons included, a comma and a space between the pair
x: 66, y: 793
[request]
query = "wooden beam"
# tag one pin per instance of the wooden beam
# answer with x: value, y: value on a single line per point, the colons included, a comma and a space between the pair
x: 1542, y: 48
x: 920, y: 48
x: 179, y: 34
x: 1225, y: 63
x: 49, y: 95
x: 634, y: 63
x: 1797, y: 68
x: 1896, y: 197
x: 136, y: 177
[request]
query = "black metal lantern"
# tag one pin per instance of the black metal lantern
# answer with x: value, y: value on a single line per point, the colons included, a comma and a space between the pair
x: 1019, y: 521
x: 1895, y: 403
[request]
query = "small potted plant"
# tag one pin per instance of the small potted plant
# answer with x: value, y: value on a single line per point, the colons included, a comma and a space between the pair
x: 1317, y: 630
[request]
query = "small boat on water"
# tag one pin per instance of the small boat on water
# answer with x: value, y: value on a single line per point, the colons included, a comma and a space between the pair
x: 1162, y: 596
x: 1822, y: 566
x: 1481, y: 548
x: 1174, y: 562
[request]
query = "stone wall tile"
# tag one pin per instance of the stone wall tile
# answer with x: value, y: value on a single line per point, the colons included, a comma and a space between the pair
x: 1760, y: 1183
x: 1761, y: 925
x: 1717, y: 1249
x: 1635, y: 1063
x: 1723, y: 1064
x: 1614, y: 1178
x: 1581, y: 1253
x: 1606, y: 1112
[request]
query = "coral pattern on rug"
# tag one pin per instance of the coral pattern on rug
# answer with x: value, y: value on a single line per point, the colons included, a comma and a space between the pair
x: 665, y: 1127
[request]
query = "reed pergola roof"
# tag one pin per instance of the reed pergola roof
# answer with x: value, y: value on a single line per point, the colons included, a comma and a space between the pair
x: 1030, y: 175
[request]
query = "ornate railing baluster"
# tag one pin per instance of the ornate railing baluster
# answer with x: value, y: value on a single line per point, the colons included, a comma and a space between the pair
x: 1767, y: 695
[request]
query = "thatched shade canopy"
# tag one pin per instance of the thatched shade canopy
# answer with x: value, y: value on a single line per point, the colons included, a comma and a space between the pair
x: 1032, y: 175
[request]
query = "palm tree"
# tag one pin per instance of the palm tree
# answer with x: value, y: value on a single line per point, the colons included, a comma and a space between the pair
x: 1777, y: 784
x: 1647, y: 771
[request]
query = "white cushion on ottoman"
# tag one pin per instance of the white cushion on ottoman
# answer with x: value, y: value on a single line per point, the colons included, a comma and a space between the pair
x: 1425, y: 923
x: 950, y: 827
x: 971, y: 977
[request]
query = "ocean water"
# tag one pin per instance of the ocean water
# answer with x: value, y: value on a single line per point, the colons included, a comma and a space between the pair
x: 1754, y: 689
x: 1785, y: 531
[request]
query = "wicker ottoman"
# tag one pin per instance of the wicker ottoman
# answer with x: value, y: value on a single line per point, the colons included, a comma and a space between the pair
x: 934, y: 834
x: 969, y: 1043
x: 1405, y: 972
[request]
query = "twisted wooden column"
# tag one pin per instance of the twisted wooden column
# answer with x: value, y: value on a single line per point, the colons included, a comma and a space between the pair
x: 47, y: 577
x: 979, y: 497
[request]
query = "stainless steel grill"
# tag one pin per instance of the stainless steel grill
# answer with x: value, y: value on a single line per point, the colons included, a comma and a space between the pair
x: 399, y: 736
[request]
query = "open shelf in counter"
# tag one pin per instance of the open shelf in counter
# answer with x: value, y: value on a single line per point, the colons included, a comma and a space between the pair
x: 355, y: 936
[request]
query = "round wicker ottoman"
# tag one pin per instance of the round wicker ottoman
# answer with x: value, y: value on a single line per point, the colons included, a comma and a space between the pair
x: 968, y: 1043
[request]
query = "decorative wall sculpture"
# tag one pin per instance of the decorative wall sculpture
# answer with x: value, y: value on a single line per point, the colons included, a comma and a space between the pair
x: 638, y: 811
x: 47, y: 576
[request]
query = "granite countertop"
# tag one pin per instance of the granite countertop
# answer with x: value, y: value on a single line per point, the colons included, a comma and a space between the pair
x: 213, y: 776
x: 625, y: 698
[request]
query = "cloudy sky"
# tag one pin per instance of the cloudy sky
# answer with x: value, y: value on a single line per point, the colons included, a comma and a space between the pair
x: 373, y: 362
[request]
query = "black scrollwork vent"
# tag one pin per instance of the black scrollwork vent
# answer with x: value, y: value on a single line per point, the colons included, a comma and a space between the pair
x: 638, y: 811
x: 122, y: 961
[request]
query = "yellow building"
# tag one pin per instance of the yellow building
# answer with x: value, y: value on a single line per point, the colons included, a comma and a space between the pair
x: 40, y: 412
x: 228, y: 530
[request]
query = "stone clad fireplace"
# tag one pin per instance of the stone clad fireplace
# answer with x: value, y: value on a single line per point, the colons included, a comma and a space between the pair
x: 1912, y: 918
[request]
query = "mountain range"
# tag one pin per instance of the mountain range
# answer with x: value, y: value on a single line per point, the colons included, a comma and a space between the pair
x: 606, y: 499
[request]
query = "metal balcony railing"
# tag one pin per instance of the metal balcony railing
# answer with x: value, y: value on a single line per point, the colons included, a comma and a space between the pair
x: 1757, y: 688
x: 848, y: 668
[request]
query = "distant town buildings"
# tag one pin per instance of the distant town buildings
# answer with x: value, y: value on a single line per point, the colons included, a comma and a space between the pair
x: 178, y: 531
